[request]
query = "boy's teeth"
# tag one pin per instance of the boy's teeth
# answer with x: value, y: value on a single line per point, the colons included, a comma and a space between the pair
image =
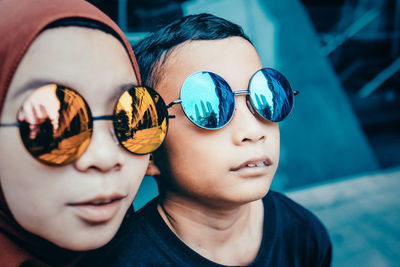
x: 260, y: 164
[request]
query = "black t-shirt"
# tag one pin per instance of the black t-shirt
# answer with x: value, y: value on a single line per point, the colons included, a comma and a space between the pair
x: 292, y: 236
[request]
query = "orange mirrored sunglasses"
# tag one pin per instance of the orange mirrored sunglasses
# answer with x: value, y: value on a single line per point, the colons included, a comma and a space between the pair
x: 56, y: 124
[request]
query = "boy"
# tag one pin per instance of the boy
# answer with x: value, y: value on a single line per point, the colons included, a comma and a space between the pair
x: 219, y: 158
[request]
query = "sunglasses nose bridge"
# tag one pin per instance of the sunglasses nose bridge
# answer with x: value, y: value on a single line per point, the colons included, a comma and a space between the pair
x: 111, y: 129
x: 103, y: 118
x: 241, y: 92
x: 248, y: 102
x: 102, y: 154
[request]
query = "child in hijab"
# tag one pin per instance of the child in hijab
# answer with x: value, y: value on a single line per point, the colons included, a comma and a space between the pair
x: 76, y: 130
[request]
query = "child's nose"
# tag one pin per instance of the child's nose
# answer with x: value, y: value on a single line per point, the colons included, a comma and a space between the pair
x: 247, y: 126
x: 103, y: 153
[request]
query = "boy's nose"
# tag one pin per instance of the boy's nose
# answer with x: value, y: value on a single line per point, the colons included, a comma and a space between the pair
x: 103, y: 153
x: 247, y: 126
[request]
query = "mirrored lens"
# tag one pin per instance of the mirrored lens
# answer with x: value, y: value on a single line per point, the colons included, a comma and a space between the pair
x: 207, y: 100
x: 55, y: 124
x: 271, y: 94
x: 141, y: 120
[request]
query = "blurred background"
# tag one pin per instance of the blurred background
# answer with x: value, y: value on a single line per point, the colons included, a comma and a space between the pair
x: 340, y: 148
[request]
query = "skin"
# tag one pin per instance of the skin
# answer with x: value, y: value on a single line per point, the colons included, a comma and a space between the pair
x: 214, y: 209
x: 47, y: 200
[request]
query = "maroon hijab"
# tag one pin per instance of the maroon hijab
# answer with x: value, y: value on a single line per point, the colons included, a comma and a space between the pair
x: 20, y: 23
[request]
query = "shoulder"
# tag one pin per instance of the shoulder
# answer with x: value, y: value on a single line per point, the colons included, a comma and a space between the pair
x: 288, y: 210
x: 298, y: 228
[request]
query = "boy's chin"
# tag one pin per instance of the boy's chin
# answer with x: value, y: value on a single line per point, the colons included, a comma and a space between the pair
x: 255, y: 196
x: 248, y: 196
x: 257, y: 191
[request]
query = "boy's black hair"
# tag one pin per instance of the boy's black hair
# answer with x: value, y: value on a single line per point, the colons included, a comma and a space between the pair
x: 152, y: 51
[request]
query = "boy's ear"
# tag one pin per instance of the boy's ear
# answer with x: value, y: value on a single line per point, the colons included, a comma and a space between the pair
x: 152, y: 168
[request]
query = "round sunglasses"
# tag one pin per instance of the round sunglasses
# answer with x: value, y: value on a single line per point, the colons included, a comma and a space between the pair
x: 209, y: 102
x: 56, y: 124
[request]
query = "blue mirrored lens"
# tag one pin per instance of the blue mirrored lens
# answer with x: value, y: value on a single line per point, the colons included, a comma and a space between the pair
x: 271, y: 94
x: 207, y: 100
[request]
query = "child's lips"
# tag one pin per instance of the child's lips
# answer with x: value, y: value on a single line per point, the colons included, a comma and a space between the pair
x: 255, y: 163
x: 98, y: 210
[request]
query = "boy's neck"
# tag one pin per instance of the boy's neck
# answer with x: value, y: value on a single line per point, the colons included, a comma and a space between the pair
x: 230, y: 236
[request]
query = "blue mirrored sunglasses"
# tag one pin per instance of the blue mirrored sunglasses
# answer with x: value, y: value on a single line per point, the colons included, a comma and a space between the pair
x: 209, y: 102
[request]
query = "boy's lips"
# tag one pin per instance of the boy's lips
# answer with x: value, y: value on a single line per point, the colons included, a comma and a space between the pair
x: 253, y: 163
x: 99, y: 209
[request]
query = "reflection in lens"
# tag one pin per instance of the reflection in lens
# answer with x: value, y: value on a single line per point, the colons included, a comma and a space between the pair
x: 207, y: 100
x: 271, y: 94
x: 55, y: 124
x: 141, y: 120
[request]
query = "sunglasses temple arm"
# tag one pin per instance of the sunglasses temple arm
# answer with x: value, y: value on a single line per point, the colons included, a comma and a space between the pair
x: 13, y: 124
x: 174, y: 103
x: 179, y: 101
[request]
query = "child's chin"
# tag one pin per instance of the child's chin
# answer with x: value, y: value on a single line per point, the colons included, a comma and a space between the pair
x: 260, y: 189
x: 85, y: 243
x: 85, y: 246
x: 259, y: 195
x: 255, y: 195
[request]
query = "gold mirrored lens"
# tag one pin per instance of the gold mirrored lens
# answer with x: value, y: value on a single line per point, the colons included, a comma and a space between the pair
x: 141, y: 120
x: 55, y: 124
